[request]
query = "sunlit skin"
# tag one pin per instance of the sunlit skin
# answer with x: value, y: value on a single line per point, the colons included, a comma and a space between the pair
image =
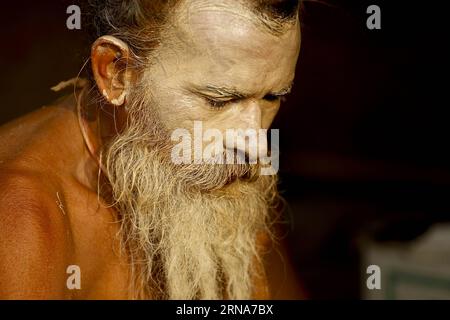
x: 243, y: 75
x: 238, y: 85
x: 227, y: 77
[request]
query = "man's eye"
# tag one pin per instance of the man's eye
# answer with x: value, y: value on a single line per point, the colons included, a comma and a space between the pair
x: 272, y: 97
x: 217, y: 104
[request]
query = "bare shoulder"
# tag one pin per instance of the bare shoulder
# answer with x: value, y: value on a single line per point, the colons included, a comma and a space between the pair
x: 47, y: 207
x: 33, y: 237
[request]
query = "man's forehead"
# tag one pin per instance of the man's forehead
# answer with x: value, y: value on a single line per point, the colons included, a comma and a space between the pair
x: 221, y: 45
x: 190, y: 10
x: 227, y: 24
x: 230, y: 36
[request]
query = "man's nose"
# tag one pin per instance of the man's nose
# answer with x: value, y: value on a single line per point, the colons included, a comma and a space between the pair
x: 247, y: 137
x: 251, y: 116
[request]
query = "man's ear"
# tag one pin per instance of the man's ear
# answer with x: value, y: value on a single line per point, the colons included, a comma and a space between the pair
x: 109, y: 58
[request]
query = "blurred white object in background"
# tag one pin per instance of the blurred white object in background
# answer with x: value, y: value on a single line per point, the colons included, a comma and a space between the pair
x: 419, y: 269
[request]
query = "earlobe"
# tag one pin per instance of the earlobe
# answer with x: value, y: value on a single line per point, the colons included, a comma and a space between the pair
x: 109, y: 59
x: 120, y: 100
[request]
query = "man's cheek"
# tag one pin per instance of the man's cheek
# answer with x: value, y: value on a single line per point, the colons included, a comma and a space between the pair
x: 222, y: 120
x: 268, y: 116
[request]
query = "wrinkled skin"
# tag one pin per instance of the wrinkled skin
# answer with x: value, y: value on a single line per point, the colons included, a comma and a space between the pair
x: 49, y: 212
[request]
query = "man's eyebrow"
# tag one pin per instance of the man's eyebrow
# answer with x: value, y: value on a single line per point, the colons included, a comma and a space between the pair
x: 222, y: 91
x: 283, y: 91
x: 234, y: 93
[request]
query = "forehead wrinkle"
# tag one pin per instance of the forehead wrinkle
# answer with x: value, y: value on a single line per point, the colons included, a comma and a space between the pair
x: 189, y: 10
x: 203, y: 22
x: 242, y: 9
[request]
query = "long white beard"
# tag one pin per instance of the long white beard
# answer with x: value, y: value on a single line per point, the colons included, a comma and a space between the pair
x: 185, y: 239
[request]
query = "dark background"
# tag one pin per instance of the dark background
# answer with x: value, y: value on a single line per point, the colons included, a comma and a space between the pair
x: 363, y: 136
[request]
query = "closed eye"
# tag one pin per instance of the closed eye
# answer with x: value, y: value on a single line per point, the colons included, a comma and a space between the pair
x: 271, y: 97
x: 274, y: 97
x: 218, y: 104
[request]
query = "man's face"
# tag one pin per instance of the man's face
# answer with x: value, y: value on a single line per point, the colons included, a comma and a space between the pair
x: 195, y: 226
x: 220, y: 68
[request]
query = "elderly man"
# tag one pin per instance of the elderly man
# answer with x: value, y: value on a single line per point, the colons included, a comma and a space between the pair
x: 92, y: 203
